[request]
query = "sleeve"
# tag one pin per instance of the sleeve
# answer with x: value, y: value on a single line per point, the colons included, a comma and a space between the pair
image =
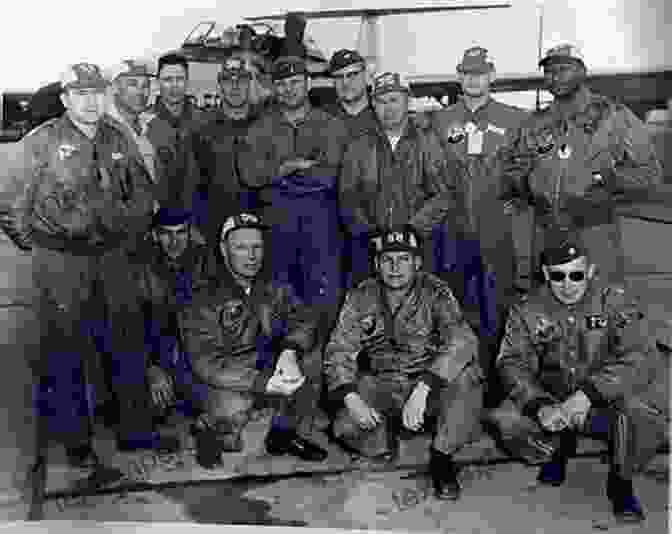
x: 630, y: 362
x: 352, y: 201
x: 442, y: 174
x: 257, y: 161
x: 15, y: 196
x: 328, y: 169
x: 301, y: 323
x: 345, y: 343
x: 518, y: 365
x: 635, y: 165
x: 457, y: 344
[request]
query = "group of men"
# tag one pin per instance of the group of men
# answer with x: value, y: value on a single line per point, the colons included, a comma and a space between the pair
x: 222, y: 262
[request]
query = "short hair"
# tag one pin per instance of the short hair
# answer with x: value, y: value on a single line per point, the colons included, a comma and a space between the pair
x: 172, y: 58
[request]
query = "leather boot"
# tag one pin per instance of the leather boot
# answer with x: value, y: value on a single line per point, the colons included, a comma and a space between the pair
x: 444, y: 476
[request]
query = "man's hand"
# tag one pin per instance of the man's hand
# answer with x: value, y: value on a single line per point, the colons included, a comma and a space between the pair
x: 576, y: 407
x: 160, y: 386
x: 287, y: 377
x: 414, y: 408
x: 553, y: 417
x: 363, y: 414
x: 289, y: 167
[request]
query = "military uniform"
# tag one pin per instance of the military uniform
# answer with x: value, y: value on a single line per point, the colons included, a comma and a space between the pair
x: 363, y: 122
x: 569, y: 163
x: 166, y: 287
x: 306, y: 241
x: 174, y: 140
x: 600, y: 346
x: 234, y: 339
x: 426, y: 339
x: 84, y: 203
x: 414, y: 183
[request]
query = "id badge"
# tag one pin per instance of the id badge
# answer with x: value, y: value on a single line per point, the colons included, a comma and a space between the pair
x: 475, y: 142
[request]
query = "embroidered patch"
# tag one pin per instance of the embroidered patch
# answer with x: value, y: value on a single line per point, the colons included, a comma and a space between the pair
x: 65, y: 151
x: 116, y: 156
x: 596, y: 322
x: 546, y: 330
x: 230, y: 312
x: 368, y: 324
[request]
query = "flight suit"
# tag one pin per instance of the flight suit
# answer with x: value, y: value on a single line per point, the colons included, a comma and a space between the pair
x: 382, y: 355
x: 571, y: 166
x: 177, y: 173
x: 166, y: 287
x: 221, y: 192
x: 601, y: 346
x: 306, y: 242
x: 84, y: 205
x: 363, y: 122
x: 417, y: 183
x: 234, y: 339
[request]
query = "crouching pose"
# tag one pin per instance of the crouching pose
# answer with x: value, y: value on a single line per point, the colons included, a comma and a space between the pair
x: 577, y: 359
x: 403, y: 357
x: 246, y: 337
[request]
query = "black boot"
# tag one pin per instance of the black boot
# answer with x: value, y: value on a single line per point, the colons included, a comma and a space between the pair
x: 553, y: 473
x: 444, y: 476
x: 625, y: 504
x: 82, y: 456
x: 279, y: 442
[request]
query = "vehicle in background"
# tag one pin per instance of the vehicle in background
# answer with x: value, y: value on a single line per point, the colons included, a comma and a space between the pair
x: 15, y: 115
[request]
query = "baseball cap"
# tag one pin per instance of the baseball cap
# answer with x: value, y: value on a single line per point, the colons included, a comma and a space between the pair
x: 128, y: 67
x: 388, y: 82
x: 242, y: 220
x: 288, y: 66
x: 170, y: 216
x: 401, y: 240
x: 83, y: 76
x: 562, y: 247
x: 476, y: 60
x: 344, y: 58
x: 562, y: 53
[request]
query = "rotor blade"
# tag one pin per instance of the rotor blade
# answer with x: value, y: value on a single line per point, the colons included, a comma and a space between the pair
x: 345, y: 13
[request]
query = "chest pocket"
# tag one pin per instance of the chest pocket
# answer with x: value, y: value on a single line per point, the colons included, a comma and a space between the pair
x: 232, y: 317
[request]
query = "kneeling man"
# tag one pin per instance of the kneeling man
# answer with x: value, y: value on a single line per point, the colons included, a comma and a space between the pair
x: 246, y: 336
x: 403, y: 357
x: 577, y: 359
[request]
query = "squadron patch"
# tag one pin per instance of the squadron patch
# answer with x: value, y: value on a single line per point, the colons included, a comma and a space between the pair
x: 368, y: 324
x: 596, y: 322
x: 230, y: 312
x: 66, y: 151
x: 546, y: 330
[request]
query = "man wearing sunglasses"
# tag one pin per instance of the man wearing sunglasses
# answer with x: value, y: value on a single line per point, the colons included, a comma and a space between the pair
x: 577, y: 359
x: 348, y: 70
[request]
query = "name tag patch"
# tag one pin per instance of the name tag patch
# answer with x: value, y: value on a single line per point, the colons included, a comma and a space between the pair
x: 596, y: 322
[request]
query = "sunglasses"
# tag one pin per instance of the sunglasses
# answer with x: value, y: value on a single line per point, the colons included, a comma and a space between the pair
x: 574, y: 276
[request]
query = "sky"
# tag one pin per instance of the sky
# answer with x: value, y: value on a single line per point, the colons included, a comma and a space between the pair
x: 618, y: 34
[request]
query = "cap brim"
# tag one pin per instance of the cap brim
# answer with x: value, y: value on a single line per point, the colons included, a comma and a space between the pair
x: 484, y: 69
x: 561, y: 59
x: 256, y: 226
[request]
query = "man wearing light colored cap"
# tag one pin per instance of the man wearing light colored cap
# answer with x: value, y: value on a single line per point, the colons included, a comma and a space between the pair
x: 221, y: 191
x: 578, y: 358
x: 351, y: 80
x: 481, y: 257
x: 293, y: 155
x: 395, y: 175
x: 402, y: 359
x: 570, y: 159
x: 131, y: 81
x: 85, y: 201
x: 247, y: 337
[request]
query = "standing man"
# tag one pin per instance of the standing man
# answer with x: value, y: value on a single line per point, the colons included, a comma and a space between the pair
x: 129, y: 101
x: 171, y: 132
x: 394, y: 175
x: 577, y: 358
x: 221, y: 190
x: 401, y: 356
x: 482, y: 256
x: 294, y: 157
x: 247, y: 337
x: 85, y: 203
x: 348, y: 70
x: 570, y: 161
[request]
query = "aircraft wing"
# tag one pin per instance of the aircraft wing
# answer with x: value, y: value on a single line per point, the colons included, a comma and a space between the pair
x: 345, y: 13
